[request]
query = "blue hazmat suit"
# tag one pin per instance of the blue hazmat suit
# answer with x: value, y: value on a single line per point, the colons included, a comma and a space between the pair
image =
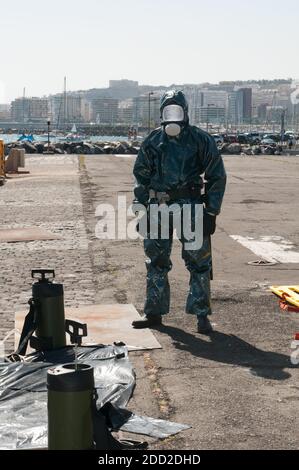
x: 168, y: 164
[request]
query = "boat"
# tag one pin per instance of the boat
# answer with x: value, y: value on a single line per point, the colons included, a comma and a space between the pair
x: 73, y: 136
x: 26, y: 138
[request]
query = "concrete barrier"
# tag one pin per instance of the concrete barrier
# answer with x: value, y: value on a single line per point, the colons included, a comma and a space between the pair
x: 21, y: 158
x: 15, y: 160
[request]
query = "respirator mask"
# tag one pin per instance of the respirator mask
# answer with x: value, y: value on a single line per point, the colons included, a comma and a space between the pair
x: 173, y: 118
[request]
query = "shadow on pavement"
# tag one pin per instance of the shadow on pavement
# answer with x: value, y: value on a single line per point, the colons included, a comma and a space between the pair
x: 229, y: 349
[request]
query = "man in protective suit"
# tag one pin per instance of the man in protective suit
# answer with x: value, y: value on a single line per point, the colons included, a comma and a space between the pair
x: 168, y: 170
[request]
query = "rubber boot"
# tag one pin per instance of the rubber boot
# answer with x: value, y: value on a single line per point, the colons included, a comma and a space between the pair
x: 147, y: 322
x: 204, y: 326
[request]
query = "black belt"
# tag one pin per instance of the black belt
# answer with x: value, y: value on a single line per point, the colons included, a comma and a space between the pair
x: 173, y: 194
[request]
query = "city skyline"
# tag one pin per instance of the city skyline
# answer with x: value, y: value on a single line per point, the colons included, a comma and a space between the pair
x: 125, y: 102
x: 236, y: 81
x: 155, y: 42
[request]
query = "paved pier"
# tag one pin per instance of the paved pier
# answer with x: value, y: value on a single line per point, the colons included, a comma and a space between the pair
x: 238, y: 389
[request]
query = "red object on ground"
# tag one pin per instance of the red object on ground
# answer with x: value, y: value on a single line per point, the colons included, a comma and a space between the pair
x: 284, y: 305
x: 297, y: 336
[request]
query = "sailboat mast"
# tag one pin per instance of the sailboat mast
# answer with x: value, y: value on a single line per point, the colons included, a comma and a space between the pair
x: 65, y: 104
x: 24, y: 94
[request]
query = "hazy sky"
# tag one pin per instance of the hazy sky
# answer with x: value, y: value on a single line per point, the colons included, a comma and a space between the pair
x: 152, y: 41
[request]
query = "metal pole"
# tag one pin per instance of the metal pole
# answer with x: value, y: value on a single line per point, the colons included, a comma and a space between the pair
x: 24, y: 94
x: 282, y: 128
x: 48, y: 134
x: 65, y: 104
x: 149, y: 113
x: 208, y: 118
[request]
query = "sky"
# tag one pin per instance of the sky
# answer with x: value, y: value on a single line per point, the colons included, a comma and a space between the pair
x: 156, y: 42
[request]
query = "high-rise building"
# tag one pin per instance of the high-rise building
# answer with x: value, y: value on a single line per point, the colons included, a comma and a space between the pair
x: 57, y: 110
x: 211, y: 106
x: 74, y: 108
x: 235, y: 110
x: 210, y: 115
x: 125, y: 112
x: 86, y: 110
x: 264, y: 96
x: 146, y: 110
x: 246, y: 108
x: 247, y: 103
x: 193, y: 97
x: 105, y: 110
x: 66, y: 108
x: 5, y: 112
x: 216, y: 98
x: 30, y: 109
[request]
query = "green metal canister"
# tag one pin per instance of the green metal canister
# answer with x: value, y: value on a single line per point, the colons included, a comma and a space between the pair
x: 50, y: 318
x: 70, y: 407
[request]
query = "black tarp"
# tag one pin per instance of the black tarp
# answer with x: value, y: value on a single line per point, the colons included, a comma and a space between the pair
x: 23, y: 395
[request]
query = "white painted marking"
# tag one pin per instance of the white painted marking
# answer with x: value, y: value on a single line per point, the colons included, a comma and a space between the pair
x: 270, y: 248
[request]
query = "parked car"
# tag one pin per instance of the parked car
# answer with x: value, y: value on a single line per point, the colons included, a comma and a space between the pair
x: 218, y: 139
x: 230, y: 138
x: 275, y: 137
x: 243, y: 139
x: 253, y: 137
x: 268, y: 141
x: 288, y: 136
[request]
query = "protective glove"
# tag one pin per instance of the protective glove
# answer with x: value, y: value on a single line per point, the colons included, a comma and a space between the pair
x: 141, y: 194
x: 137, y: 207
x: 209, y: 224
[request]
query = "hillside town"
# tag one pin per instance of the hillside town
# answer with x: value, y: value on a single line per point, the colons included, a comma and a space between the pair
x: 231, y: 105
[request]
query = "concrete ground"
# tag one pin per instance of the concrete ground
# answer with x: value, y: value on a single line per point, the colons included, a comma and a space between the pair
x: 49, y: 198
x: 238, y: 388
